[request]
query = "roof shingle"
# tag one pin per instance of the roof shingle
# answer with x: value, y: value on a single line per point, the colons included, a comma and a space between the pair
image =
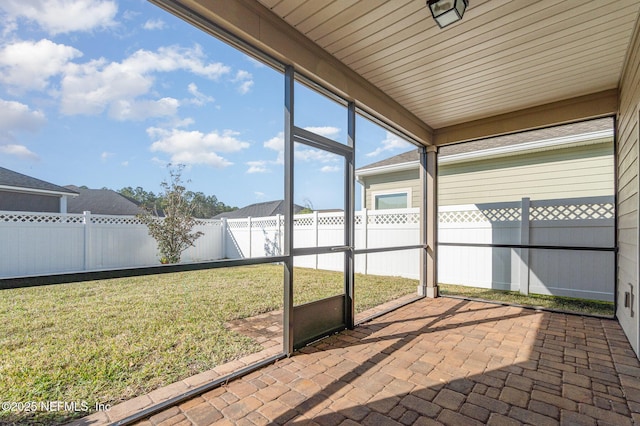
x: 101, y: 201
x: 18, y: 180
x: 265, y: 209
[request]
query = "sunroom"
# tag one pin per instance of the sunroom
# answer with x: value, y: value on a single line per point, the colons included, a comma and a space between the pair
x: 501, y: 70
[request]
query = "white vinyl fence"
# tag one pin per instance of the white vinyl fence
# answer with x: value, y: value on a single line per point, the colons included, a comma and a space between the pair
x: 35, y: 243
x: 43, y: 243
x: 576, y: 222
x: 255, y: 237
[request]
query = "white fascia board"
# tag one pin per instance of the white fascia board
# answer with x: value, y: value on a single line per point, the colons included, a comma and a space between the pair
x: 36, y: 191
x: 409, y: 165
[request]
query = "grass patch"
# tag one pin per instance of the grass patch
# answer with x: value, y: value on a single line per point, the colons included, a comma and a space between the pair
x: 568, y: 304
x: 111, y: 340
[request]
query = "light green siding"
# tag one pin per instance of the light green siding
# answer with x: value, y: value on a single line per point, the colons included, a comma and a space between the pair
x: 389, y: 182
x: 583, y: 171
x: 628, y: 131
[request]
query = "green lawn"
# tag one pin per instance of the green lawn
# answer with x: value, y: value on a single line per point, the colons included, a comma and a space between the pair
x: 108, y: 341
x: 568, y: 304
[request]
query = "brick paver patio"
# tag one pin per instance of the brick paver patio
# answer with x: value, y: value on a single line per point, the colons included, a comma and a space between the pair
x: 440, y: 361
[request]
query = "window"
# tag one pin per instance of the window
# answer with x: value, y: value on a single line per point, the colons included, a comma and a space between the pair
x: 396, y: 200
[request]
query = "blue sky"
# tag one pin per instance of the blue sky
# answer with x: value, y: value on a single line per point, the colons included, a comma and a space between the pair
x: 105, y: 93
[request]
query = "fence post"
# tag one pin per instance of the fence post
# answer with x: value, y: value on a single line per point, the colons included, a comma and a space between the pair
x: 87, y: 239
x: 279, y: 233
x: 223, y: 238
x: 250, y: 241
x: 316, y: 224
x: 524, y: 240
x: 365, y: 224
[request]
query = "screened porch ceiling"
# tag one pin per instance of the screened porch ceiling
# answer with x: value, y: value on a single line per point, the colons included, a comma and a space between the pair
x: 523, y: 64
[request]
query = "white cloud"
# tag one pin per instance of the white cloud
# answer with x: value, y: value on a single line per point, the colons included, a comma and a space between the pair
x: 242, y: 75
x: 29, y: 65
x: 246, y: 81
x: 19, y: 151
x: 259, y: 195
x: 326, y: 131
x: 245, y: 87
x: 316, y: 155
x: 208, y: 158
x: 276, y: 143
x: 257, y: 166
x: 185, y: 122
x: 154, y: 24
x: 140, y: 110
x: 18, y: 116
x: 199, y: 98
x: 106, y: 155
x: 194, y: 147
x: 390, y: 143
x: 15, y: 116
x: 124, y: 163
x: 159, y: 162
x: 330, y: 169
x: 92, y: 87
x: 129, y: 15
x: 62, y: 16
x: 10, y: 26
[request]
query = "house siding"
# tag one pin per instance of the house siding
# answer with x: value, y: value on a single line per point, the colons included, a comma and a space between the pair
x: 389, y: 182
x: 583, y: 171
x: 16, y: 201
x: 628, y: 135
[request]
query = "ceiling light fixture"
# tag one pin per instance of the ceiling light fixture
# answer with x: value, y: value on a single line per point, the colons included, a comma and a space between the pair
x: 446, y: 12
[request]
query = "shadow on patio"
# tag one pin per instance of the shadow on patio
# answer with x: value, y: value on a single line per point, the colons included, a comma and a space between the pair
x: 444, y: 360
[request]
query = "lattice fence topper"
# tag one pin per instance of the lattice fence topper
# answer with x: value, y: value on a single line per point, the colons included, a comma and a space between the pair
x: 208, y: 222
x: 303, y: 221
x: 115, y: 220
x: 264, y: 223
x: 132, y: 220
x: 393, y: 218
x: 237, y: 224
x: 585, y: 211
x: 462, y: 217
x: 22, y: 217
x: 509, y: 214
x: 331, y: 220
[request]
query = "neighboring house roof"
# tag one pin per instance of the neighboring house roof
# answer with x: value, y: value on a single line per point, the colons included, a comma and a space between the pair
x: 14, y: 181
x: 268, y: 208
x: 535, y: 140
x: 101, y: 201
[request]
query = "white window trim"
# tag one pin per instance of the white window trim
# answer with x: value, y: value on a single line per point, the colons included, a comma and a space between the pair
x: 406, y: 191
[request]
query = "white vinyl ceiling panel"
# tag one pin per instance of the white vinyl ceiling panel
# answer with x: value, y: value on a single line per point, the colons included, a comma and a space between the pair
x: 503, y: 56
